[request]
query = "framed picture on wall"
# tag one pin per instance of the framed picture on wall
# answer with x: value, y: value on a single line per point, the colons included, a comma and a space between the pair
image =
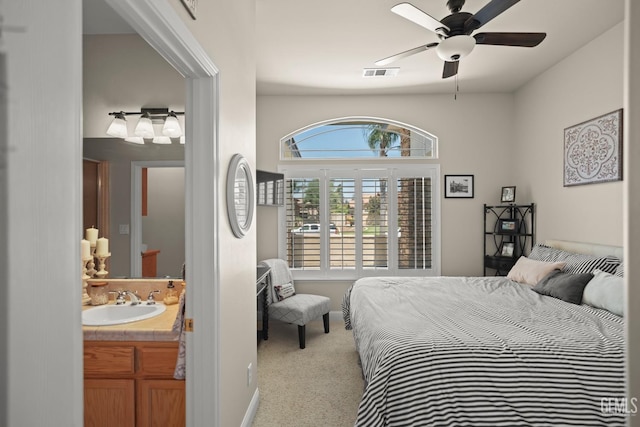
x: 593, y: 150
x: 458, y: 186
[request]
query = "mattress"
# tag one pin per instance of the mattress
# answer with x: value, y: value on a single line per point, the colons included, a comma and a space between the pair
x: 483, y: 351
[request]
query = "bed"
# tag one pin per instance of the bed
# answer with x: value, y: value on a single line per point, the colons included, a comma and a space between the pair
x: 490, y: 351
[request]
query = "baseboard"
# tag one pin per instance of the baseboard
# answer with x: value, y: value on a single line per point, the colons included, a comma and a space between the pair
x: 336, y: 316
x: 247, y: 421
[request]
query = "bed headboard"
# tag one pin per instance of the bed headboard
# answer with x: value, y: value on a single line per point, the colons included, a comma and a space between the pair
x: 586, y: 248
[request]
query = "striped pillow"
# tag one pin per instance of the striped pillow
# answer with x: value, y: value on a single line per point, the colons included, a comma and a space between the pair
x: 576, y: 263
x: 619, y: 270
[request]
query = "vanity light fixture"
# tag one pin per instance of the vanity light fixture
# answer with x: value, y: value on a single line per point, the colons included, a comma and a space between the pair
x: 144, y: 128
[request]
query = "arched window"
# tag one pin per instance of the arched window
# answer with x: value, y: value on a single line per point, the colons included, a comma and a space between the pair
x: 358, y: 138
x: 370, y: 213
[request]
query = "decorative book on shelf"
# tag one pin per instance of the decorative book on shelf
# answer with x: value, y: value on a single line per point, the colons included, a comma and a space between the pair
x: 509, y: 232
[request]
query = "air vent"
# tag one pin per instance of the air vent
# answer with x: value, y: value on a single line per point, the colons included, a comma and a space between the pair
x: 380, y: 72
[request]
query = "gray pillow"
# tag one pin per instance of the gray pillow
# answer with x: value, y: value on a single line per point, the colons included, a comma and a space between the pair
x: 605, y: 291
x: 564, y: 286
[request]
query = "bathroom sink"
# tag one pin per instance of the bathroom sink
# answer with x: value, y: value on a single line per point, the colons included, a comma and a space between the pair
x: 112, y: 314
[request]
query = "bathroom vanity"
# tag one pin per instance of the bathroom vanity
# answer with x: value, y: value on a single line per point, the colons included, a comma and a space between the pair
x: 128, y: 374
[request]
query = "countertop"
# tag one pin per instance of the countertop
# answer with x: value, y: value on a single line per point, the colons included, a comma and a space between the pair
x: 155, y: 329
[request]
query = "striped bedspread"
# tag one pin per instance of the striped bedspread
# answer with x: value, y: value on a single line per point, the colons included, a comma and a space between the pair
x: 483, y: 351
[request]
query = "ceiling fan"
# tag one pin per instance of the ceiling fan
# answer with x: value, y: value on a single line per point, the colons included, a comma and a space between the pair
x: 455, y: 32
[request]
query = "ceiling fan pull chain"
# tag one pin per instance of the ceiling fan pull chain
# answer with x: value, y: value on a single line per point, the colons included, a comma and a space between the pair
x: 455, y: 94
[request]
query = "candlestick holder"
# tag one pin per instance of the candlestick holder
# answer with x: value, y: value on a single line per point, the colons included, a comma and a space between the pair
x: 86, y: 299
x: 102, y: 258
x: 91, y: 266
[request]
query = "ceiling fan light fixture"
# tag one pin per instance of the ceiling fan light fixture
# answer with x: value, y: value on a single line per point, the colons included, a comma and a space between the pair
x: 455, y: 48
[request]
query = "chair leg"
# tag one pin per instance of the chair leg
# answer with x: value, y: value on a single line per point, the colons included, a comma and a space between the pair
x: 301, y: 334
x: 325, y: 320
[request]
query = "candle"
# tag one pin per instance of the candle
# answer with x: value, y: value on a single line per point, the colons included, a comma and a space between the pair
x: 102, y: 246
x: 85, y: 246
x: 91, y: 234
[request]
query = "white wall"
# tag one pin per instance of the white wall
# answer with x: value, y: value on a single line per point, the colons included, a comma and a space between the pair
x: 585, y: 85
x: 475, y: 137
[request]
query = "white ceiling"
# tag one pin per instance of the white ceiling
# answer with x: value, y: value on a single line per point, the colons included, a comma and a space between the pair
x: 321, y: 47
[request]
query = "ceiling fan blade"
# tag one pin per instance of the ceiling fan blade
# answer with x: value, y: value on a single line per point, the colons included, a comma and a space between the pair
x: 487, y: 13
x: 415, y: 15
x: 450, y: 69
x: 510, y: 39
x: 393, y: 58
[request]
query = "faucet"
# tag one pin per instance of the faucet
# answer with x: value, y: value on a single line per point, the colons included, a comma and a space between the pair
x: 150, y: 299
x: 135, y: 300
x: 120, y: 297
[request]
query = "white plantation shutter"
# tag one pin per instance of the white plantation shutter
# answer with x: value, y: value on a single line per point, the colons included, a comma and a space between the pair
x: 348, y: 222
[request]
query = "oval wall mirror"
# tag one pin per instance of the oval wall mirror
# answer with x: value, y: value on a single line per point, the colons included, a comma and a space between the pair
x: 240, y: 195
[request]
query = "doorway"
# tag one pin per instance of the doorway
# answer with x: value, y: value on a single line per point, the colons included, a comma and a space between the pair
x: 157, y: 218
x: 158, y: 24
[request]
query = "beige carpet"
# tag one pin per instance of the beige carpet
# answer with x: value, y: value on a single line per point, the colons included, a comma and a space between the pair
x: 315, y: 387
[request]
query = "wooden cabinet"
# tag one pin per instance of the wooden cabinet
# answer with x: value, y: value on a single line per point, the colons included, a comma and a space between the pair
x: 131, y: 384
x: 150, y: 263
x: 109, y: 403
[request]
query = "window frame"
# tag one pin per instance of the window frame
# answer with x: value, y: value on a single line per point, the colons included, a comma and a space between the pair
x: 359, y: 170
x: 362, y: 119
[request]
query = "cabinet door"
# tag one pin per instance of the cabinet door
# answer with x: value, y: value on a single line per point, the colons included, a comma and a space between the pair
x: 161, y: 403
x: 109, y: 403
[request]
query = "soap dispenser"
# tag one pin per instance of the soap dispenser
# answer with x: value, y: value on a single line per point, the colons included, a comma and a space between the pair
x: 171, y: 295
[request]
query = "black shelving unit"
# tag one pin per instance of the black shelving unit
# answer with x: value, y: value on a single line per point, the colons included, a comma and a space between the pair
x: 509, y: 232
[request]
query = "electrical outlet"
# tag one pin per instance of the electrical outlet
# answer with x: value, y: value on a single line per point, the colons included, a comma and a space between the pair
x: 124, y: 229
x: 249, y: 374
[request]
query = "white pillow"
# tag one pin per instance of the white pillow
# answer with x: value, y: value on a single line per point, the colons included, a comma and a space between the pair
x: 530, y: 271
x: 284, y: 291
x: 605, y: 291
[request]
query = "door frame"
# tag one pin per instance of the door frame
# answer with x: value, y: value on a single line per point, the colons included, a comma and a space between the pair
x: 157, y: 22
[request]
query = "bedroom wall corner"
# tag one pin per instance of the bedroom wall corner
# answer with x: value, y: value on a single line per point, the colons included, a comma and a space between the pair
x: 586, y: 84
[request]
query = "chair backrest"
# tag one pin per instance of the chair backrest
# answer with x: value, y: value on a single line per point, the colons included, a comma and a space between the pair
x: 280, y: 275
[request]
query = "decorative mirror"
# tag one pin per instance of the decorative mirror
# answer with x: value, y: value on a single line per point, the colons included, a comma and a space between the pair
x: 240, y: 195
